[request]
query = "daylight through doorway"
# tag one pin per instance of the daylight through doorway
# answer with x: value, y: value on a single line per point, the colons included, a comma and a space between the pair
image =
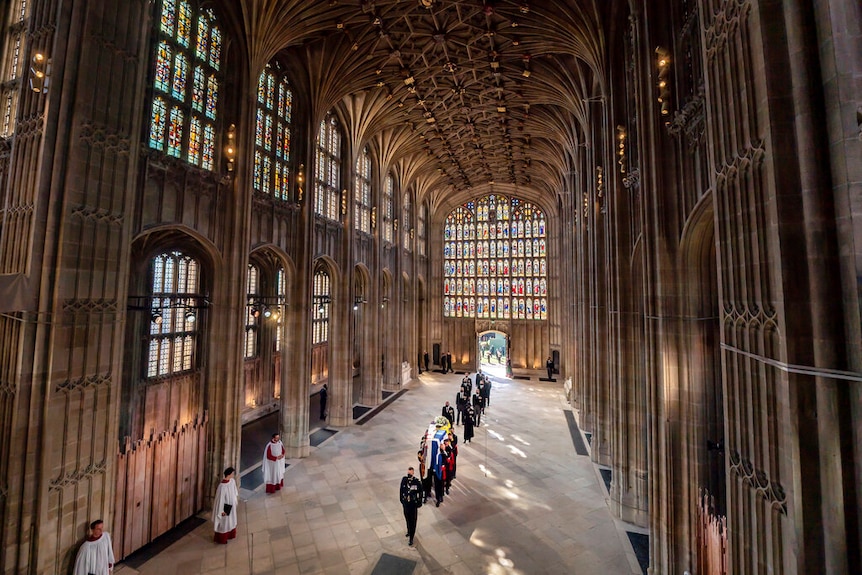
x: 493, y: 353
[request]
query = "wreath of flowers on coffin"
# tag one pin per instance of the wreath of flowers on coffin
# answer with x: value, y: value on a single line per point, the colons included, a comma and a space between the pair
x: 441, y: 421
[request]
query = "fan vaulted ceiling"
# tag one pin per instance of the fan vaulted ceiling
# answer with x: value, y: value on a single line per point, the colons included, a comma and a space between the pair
x: 456, y: 95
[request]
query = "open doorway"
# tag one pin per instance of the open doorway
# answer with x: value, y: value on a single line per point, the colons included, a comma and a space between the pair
x: 493, y: 353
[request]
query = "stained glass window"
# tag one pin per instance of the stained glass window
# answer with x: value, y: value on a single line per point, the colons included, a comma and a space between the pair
x: 185, y: 84
x: 172, y: 337
x: 362, y: 193
x: 281, y: 292
x: 494, y: 260
x: 406, y: 208
x: 320, y: 309
x: 252, y: 314
x: 327, y: 197
x: 388, y: 199
x: 272, y: 134
x: 13, y: 63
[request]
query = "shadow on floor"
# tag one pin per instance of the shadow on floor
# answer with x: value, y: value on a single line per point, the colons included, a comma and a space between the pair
x: 162, y: 542
x: 393, y: 565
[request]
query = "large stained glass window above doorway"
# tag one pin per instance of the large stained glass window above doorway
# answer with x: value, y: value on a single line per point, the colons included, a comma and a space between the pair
x: 495, y: 260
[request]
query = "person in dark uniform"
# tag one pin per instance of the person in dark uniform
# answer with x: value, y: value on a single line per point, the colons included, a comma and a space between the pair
x: 486, y: 392
x: 550, y: 365
x: 425, y: 476
x: 448, y: 413
x: 425, y: 359
x: 460, y: 403
x: 477, y: 408
x: 468, y: 423
x: 323, y: 395
x: 411, y: 501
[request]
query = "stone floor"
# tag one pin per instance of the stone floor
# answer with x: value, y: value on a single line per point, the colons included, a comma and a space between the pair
x: 523, y: 501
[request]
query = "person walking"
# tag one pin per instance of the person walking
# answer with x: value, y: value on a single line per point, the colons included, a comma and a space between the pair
x: 224, y: 508
x: 486, y: 392
x: 468, y: 423
x: 448, y: 413
x: 550, y: 367
x: 460, y: 402
x: 273, y: 464
x: 424, y: 476
x: 477, y: 408
x: 96, y: 555
x: 411, y: 500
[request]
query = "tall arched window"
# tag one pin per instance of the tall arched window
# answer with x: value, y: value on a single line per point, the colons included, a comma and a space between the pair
x: 186, y: 83
x: 272, y: 134
x: 495, y: 260
x: 388, y: 210
x: 14, y: 63
x: 421, y: 230
x: 320, y: 311
x: 173, y: 331
x: 362, y: 193
x: 328, y: 170
x: 406, y: 207
x: 252, y: 314
x: 281, y: 293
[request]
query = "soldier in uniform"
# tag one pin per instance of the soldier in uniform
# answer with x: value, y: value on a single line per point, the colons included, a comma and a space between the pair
x: 411, y: 500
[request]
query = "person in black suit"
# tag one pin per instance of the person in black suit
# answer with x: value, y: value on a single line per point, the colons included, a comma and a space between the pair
x: 448, y: 413
x: 550, y: 366
x: 425, y: 359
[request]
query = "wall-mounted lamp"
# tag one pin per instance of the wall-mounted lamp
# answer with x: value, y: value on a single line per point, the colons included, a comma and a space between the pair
x: 272, y: 312
x: 230, y: 147
x: 343, y: 202
x: 269, y: 307
x: 191, y: 317
x: 621, y: 148
x: 600, y: 188
x: 300, y: 181
x: 40, y: 70
x: 374, y: 218
x: 157, y: 317
x: 663, y: 84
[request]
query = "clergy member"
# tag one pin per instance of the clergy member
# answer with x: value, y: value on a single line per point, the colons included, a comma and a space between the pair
x: 224, y: 508
x: 273, y: 464
x: 96, y: 555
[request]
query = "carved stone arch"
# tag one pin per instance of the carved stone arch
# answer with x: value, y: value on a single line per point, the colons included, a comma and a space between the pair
x: 405, y: 287
x: 331, y: 267
x: 386, y: 284
x: 271, y: 257
x: 703, y: 412
x: 158, y: 239
x: 361, y: 281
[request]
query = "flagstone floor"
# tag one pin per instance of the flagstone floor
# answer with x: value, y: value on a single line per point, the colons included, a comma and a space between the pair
x: 523, y: 502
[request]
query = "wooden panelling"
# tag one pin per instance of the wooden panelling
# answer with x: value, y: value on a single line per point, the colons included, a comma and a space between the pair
x: 160, y: 483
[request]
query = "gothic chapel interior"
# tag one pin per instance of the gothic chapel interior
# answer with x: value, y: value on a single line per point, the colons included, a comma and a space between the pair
x: 211, y: 208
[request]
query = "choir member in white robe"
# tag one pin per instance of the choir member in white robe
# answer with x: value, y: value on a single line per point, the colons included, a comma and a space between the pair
x: 96, y: 555
x: 224, y: 508
x: 273, y: 464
